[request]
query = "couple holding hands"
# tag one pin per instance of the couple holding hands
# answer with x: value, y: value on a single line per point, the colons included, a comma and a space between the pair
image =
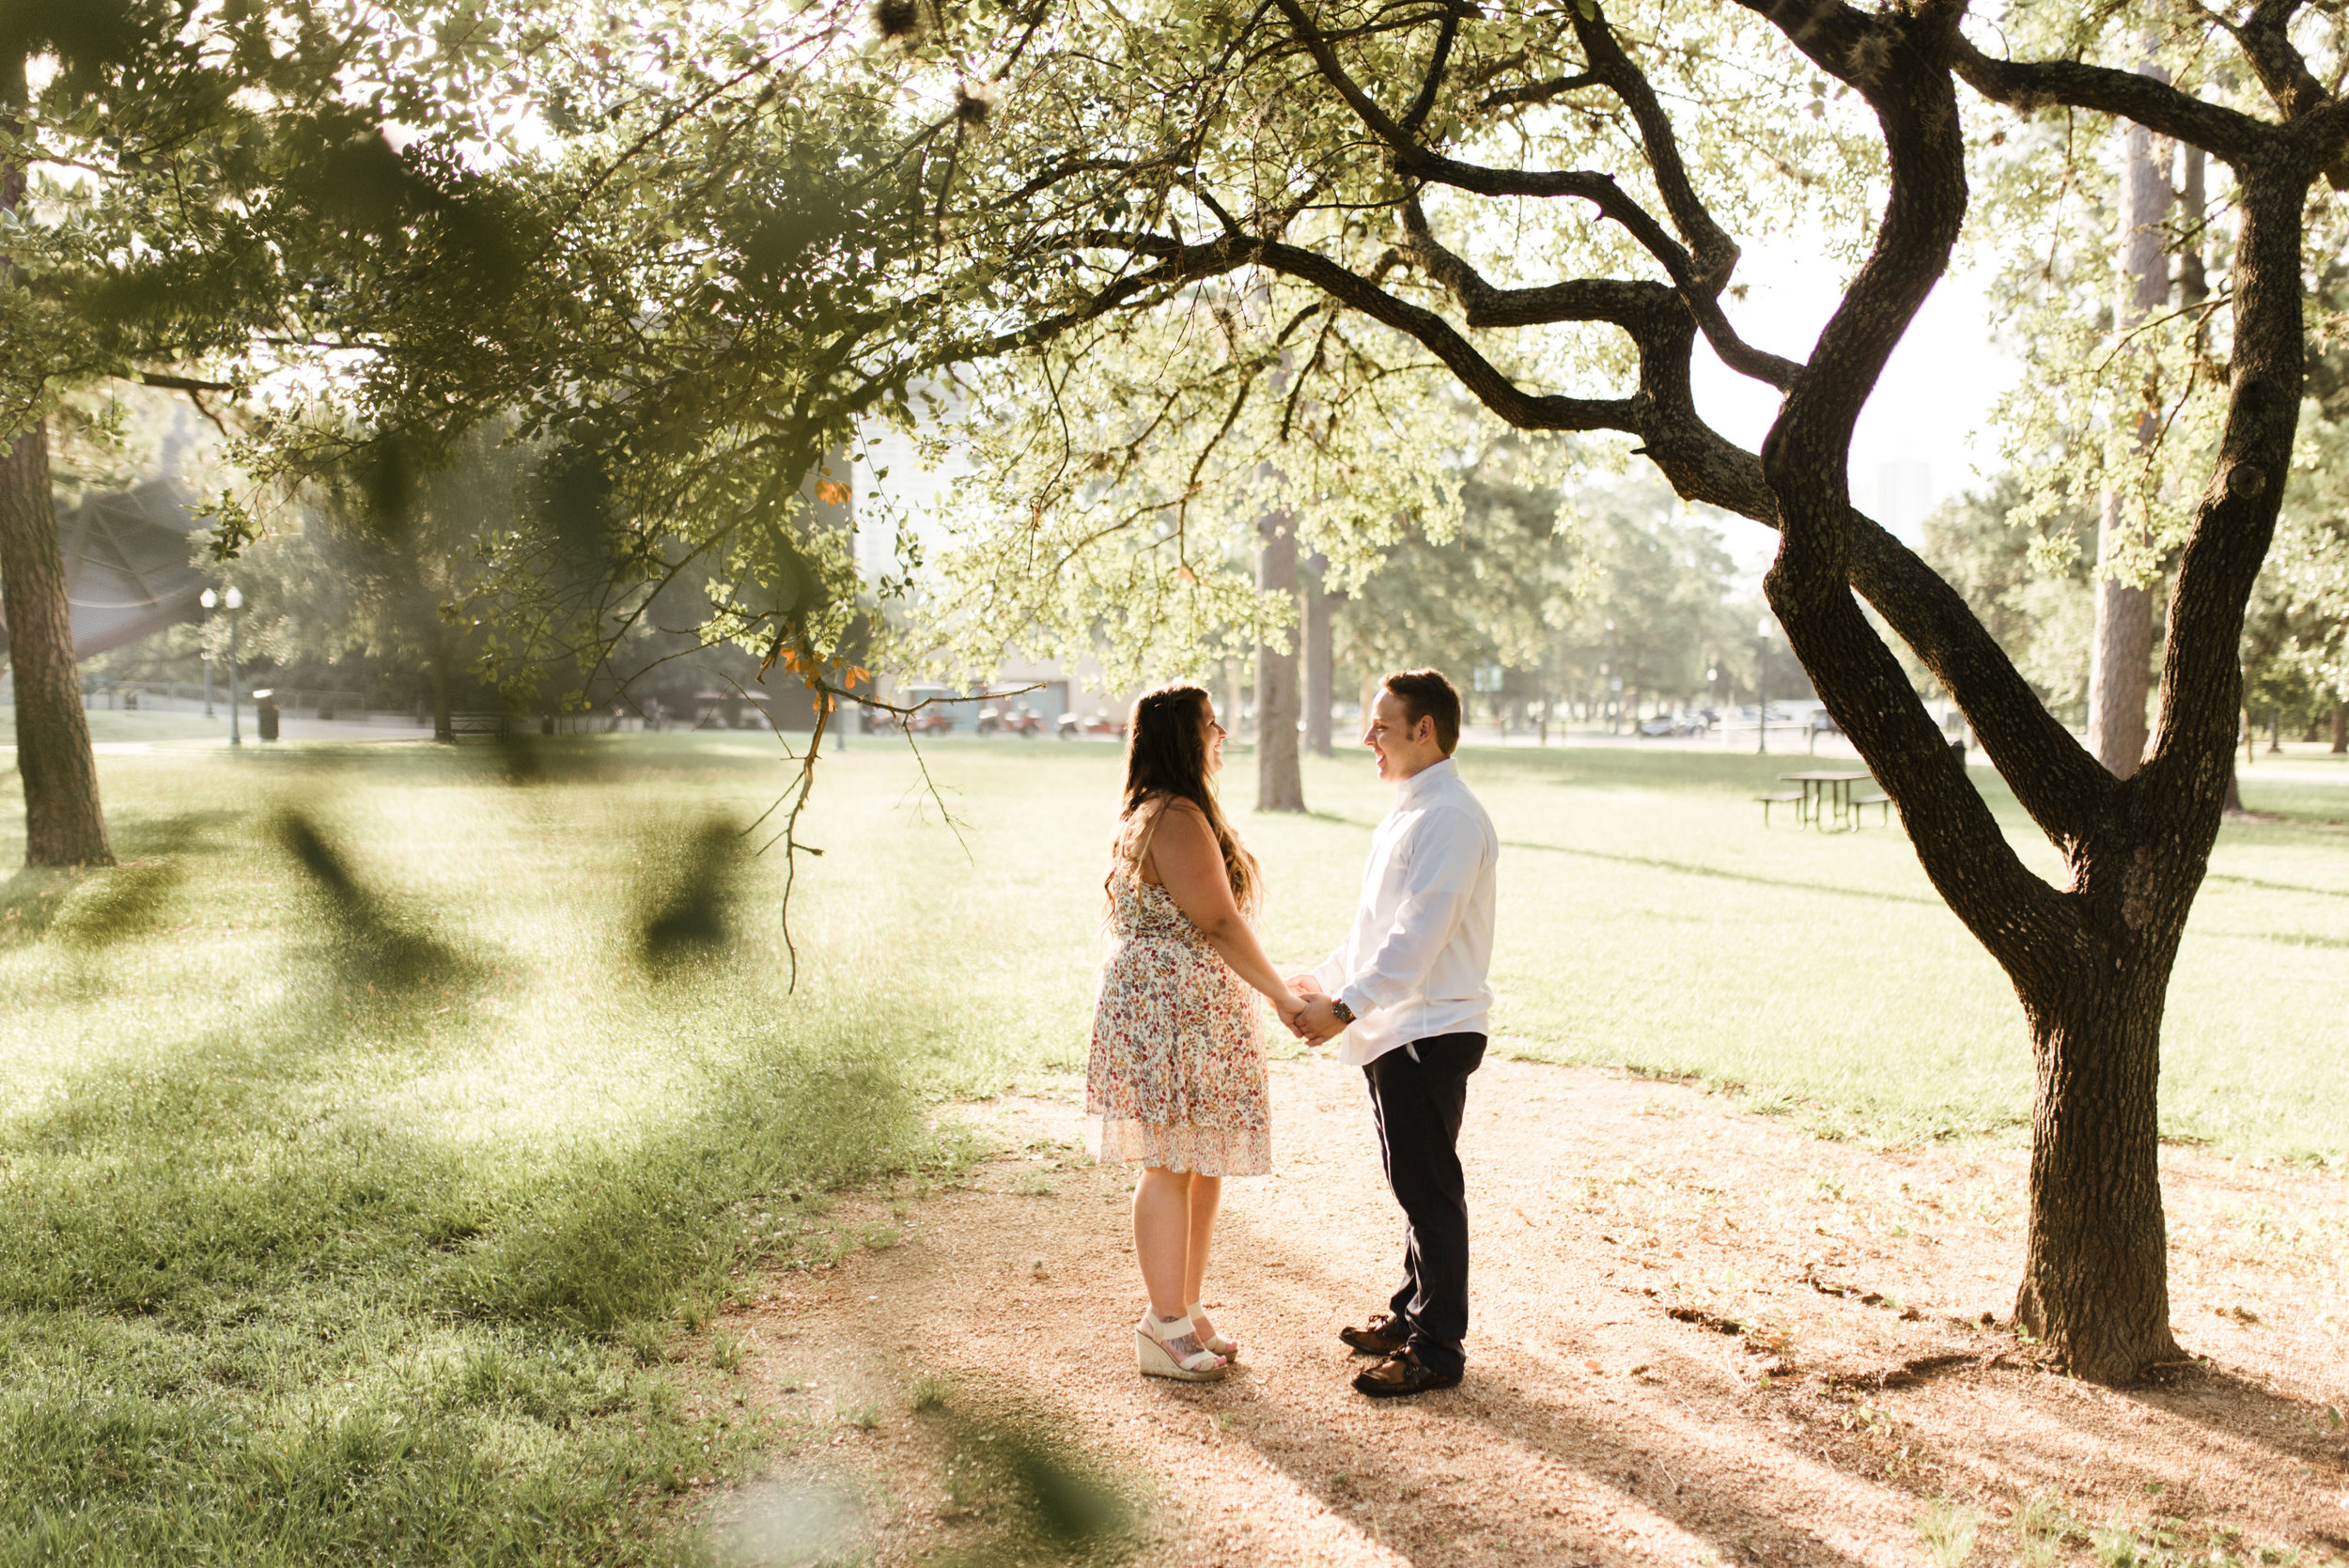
x: 1175, y: 1082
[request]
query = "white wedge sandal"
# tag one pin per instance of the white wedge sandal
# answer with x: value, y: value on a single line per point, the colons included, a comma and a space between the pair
x: 1227, y: 1348
x: 1158, y: 1347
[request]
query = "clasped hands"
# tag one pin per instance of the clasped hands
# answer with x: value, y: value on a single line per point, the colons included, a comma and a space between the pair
x: 1312, y: 1019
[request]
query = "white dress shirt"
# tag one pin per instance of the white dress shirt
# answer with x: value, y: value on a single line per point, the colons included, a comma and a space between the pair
x: 1415, y: 963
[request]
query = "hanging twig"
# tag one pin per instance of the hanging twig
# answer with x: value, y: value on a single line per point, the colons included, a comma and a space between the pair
x: 793, y: 801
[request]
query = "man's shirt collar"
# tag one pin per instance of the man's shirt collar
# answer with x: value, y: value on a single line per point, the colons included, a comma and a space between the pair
x: 1420, y: 785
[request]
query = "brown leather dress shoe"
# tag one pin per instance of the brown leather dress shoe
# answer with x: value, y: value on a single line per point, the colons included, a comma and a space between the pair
x: 1399, y: 1374
x: 1383, y: 1336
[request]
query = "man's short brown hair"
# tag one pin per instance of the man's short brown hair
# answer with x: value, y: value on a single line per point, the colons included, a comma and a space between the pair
x: 1426, y: 695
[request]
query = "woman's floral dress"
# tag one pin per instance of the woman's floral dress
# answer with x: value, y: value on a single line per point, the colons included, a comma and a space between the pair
x: 1176, y: 1074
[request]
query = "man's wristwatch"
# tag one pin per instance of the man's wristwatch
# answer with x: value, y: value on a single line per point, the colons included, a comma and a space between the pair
x: 1343, y: 1014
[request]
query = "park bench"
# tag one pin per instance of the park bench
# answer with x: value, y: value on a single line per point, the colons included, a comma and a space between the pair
x: 1780, y: 797
x: 476, y: 726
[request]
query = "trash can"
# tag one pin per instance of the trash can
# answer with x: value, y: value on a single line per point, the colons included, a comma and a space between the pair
x: 265, y: 713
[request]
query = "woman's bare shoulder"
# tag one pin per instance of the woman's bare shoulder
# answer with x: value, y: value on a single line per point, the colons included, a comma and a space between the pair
x: 1179, y: 813
x: 1167, y: 806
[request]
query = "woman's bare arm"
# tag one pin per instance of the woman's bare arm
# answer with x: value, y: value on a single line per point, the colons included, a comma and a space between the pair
x: 1191, y: 868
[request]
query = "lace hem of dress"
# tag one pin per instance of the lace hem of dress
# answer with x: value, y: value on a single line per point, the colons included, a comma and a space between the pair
x: 1208, y: 1151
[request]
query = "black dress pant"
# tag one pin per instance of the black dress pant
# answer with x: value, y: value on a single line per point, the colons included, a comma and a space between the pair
x: 1417, y: 1094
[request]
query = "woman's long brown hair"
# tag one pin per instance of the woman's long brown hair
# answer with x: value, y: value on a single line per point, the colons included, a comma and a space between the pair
x: 1166, y: 754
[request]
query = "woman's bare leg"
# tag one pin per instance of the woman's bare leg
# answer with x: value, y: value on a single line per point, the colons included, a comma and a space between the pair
x: 1206, y: 1196
x: 1162, y: 1208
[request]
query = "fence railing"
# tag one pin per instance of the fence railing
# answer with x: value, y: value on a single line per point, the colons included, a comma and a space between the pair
x: 320, y: 704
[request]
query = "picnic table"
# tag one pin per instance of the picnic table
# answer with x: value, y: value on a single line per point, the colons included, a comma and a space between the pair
x: 1824, y: 795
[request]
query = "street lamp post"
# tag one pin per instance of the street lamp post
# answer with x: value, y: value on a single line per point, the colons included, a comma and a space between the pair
x: 233, y: 601
x: 1762, y: 689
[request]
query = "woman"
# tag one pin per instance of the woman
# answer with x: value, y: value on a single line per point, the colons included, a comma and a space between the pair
x: 1177, y: 1078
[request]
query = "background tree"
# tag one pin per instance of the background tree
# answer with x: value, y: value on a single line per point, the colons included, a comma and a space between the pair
x: 1657, y: 614
x: 1492, y: 589
x: 1543, y: 560
x: 218, y: 163
x: 2027, y: 579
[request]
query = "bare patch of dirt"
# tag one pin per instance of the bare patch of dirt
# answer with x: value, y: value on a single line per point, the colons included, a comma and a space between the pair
x: 1702, y: 1336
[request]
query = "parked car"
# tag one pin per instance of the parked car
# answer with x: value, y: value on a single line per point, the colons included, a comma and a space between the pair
x: 1021, y: 720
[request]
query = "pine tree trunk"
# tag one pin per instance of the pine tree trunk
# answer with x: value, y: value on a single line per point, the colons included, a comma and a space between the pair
x: 2341, y: 728
x: 2121, y: 659
x: 2096, y: 1268
x: 1280, y: 783
x: 63, y: 824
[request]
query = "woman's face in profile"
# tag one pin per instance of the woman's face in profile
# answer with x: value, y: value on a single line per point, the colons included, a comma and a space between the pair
x: 1214, y: 738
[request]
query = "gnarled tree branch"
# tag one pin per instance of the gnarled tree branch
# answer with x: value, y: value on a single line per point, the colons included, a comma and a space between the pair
x: 1600, y: 190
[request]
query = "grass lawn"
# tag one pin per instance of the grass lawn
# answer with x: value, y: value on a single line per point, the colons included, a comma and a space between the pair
x: 358, y: 1159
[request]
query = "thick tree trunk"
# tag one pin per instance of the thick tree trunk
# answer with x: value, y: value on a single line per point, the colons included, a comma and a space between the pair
x: 2341, y: 728
x: 2120, y: 658
x: 2095, y: 1265
x: 1320, y: 607
x: 1280, y: 783
x: 63, y: 824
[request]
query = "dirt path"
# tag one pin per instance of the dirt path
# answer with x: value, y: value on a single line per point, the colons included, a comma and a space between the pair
x: 1700, y: 1337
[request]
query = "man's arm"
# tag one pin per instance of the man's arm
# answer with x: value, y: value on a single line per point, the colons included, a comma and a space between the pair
x: 1446, y: 851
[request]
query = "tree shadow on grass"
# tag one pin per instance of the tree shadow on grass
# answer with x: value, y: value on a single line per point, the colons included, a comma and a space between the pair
x: 1687, y: 868
x: 375, y: 944
x: 2272, y: 887
x: 1683, y: 868
x: 683, y: 899
x: 209, y: 1178
x: 88, y: 909
x: 30, y: 900
x: 621, y: 1235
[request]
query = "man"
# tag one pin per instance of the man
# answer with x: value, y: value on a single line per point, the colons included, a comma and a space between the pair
x: 1408, y: 991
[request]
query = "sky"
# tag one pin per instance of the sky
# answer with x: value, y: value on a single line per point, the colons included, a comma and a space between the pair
x: 1924, y: 435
